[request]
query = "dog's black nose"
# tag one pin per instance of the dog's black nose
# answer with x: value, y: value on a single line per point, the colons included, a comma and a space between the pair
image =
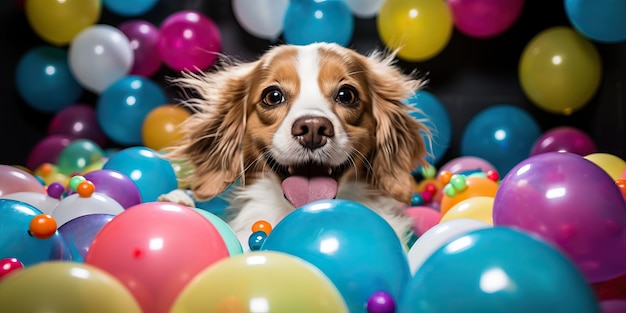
x: 312, y: 131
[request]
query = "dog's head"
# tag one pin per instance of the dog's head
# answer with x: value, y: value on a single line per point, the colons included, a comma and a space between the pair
x: 313, y: 115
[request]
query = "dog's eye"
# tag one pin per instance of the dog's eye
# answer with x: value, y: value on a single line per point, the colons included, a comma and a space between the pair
x: 272, y: 96
x: 347, y: 96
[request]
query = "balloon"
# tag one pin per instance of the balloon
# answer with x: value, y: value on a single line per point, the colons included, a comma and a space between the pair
x: 467, y: 163
x: 77, y: 121
x: 49, y: 174
x: 498, y: 269
x: 613, y: 306
x: 614, y: 288
x: 99, y: 56
x: 8, y: 266
x: 310, y: 21
x: 42, y: 202
x: 153, y: 175
x: 144, y: 37
x: 475, y: 187
x: 116, y: 185
x: 424, y: 218
x: 58, y: 22
x: 337, y: 236
x: 260, y: 281
x: 13, y: 179
x: 160, y: 127
x: 501, y: 134
x: 485, y: 18
x: 155, y: 249
x: 79, y: 154
x: 261, y: 18
x: 47, y: 150
x: 44, y: 80
x: 63, y: 286
x: 435, y: 116
x: 122, y: 107
x: 569, y: 201
x: 16, y: 240
x: 611, y: 164
x: 364, y: 8
x: 564, y: 139
x: 189, y: 41
x: 129, y: 8
x: 419, y: 30
x: 560, y: 70
x: 601, y: 21
x: 74, y: 206
x: 79, y: 233
x: 478, y: 208
x: 230, y: 239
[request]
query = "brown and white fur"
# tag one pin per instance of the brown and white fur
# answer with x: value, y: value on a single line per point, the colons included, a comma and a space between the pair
x: 255, y: 123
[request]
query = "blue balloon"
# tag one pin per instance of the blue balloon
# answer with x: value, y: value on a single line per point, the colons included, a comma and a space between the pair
x: 122, y: 107
x: 152, y: 174
x: 129, y: 8
x: 501, y: 134
x: 16, y: 241
x: 354, y: 246
x: 435, y: 116
x: 44, y: 80
x: 602, y: 21
x: 310, y: 21
x: 494, y: 270
x: 79, y: 232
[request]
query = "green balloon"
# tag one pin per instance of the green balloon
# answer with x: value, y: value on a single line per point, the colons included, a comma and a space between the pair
x: 79, y: 154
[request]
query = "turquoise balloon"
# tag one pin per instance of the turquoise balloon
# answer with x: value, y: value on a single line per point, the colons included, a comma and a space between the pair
x: 78, y: 155
x: 495, y: 270
x: 232, y: 243
x: 310, y: 21
x: 129, y: 8
x: 435, y: 116
x: 152, y: 174
x: 602, y: 21
x: 351, y: 244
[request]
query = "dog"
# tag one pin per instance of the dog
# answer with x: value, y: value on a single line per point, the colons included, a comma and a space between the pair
x: 300, y: 124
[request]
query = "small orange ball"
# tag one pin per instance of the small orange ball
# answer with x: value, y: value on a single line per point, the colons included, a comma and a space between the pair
x: 85, y: 189
x: 444, y: 177
x: 621, y: 184
x: 263, y: 226
x: 42, y: 226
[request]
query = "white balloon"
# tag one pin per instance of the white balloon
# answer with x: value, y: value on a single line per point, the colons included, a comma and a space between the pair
x: 364, y: 8
x: 74, y: 206
x: 100, y: 55
x: 261, y: 18
x: 437, y: 236
x: 41, y: 201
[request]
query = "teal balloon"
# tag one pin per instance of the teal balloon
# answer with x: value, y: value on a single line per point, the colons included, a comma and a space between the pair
x: 495, y: 270
x: 230, y: 239
x: 434, y: 115
x: 78, y: 155
x: 350, y: 243
x: 310, y: 21
x: 599, y: 20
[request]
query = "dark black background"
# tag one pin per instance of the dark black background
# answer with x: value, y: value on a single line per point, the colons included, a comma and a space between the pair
x: 467, y: 76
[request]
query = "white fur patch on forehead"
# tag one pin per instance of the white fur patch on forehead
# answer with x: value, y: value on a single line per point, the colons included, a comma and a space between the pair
x: 310, y: 100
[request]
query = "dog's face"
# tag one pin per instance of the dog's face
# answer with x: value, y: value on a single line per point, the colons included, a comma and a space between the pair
x: 310, y: 117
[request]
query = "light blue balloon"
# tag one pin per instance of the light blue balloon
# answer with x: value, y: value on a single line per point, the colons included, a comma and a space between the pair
x: 495, y: 270
x: 310, y: 21
x: 501, y: 134
x: 122, y: 107
x: 434, y: 116
x: 598, y: 20
x: 152, y: 174
x: 129, y: 7
x: 44, y: 80
x: 350, y: 243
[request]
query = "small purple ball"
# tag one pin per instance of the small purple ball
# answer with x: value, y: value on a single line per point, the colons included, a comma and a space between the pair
x: 381, y: 302
x: 56, y: 190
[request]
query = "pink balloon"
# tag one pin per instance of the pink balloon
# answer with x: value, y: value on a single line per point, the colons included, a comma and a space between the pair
x: 13, y: 179
x: 144, y: 37
x: 624, y: 174
x: 47, y: 150
x: 572, y: 203
x: 564, y: 139
x: 485, y: 18
x: 613, y: 306
x: 78, y: 121
x: 467, y: 163
x: 155, y: 249
x: 189, y: 41
x: 424, y: 218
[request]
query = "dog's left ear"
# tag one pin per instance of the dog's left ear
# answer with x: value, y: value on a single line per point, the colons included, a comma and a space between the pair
x: 400, y: 147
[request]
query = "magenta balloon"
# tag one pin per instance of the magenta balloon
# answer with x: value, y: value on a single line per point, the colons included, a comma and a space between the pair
x: 613, y: 306
x: 79, y: 232
x: 78, y: 121
x: 485, y: 18
x: 467, y: 163
x: 571, y: 202
x: 13, y: 179
x: 144, y: 37
x: 115, y: 185
x: 564, y: 139
x: 189, y: 40
x: 47, y: 150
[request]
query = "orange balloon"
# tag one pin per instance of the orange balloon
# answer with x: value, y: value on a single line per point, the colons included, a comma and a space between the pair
x: 160, y: 127
x: 476, y: 186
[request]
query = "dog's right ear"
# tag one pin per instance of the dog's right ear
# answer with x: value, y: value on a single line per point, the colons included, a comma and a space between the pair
x: 213, y: 135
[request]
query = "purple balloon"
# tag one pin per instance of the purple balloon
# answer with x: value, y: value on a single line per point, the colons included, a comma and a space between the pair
x: 613, y: 306
x: 115, y: 185
x: 78, y: 121
x: 564, y: 139
x: 572, y: 203
x: 47, y: 150
x: 144, y: 37
x: 485, y: 18
x: 79, y: 232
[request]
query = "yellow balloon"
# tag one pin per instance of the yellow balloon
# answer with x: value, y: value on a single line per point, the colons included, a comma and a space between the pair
x: 59, y: 21
x: 419, y: 29
x: 49, y: 174
x: 260, y: 281
x: 64, y: 286
x: 612, y: 164
x: 160, y: 127
x: 560, y: 70
x: 477, y: 208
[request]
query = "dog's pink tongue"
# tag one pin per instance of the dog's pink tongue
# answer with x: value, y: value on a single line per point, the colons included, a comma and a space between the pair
x: 300, y: 190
